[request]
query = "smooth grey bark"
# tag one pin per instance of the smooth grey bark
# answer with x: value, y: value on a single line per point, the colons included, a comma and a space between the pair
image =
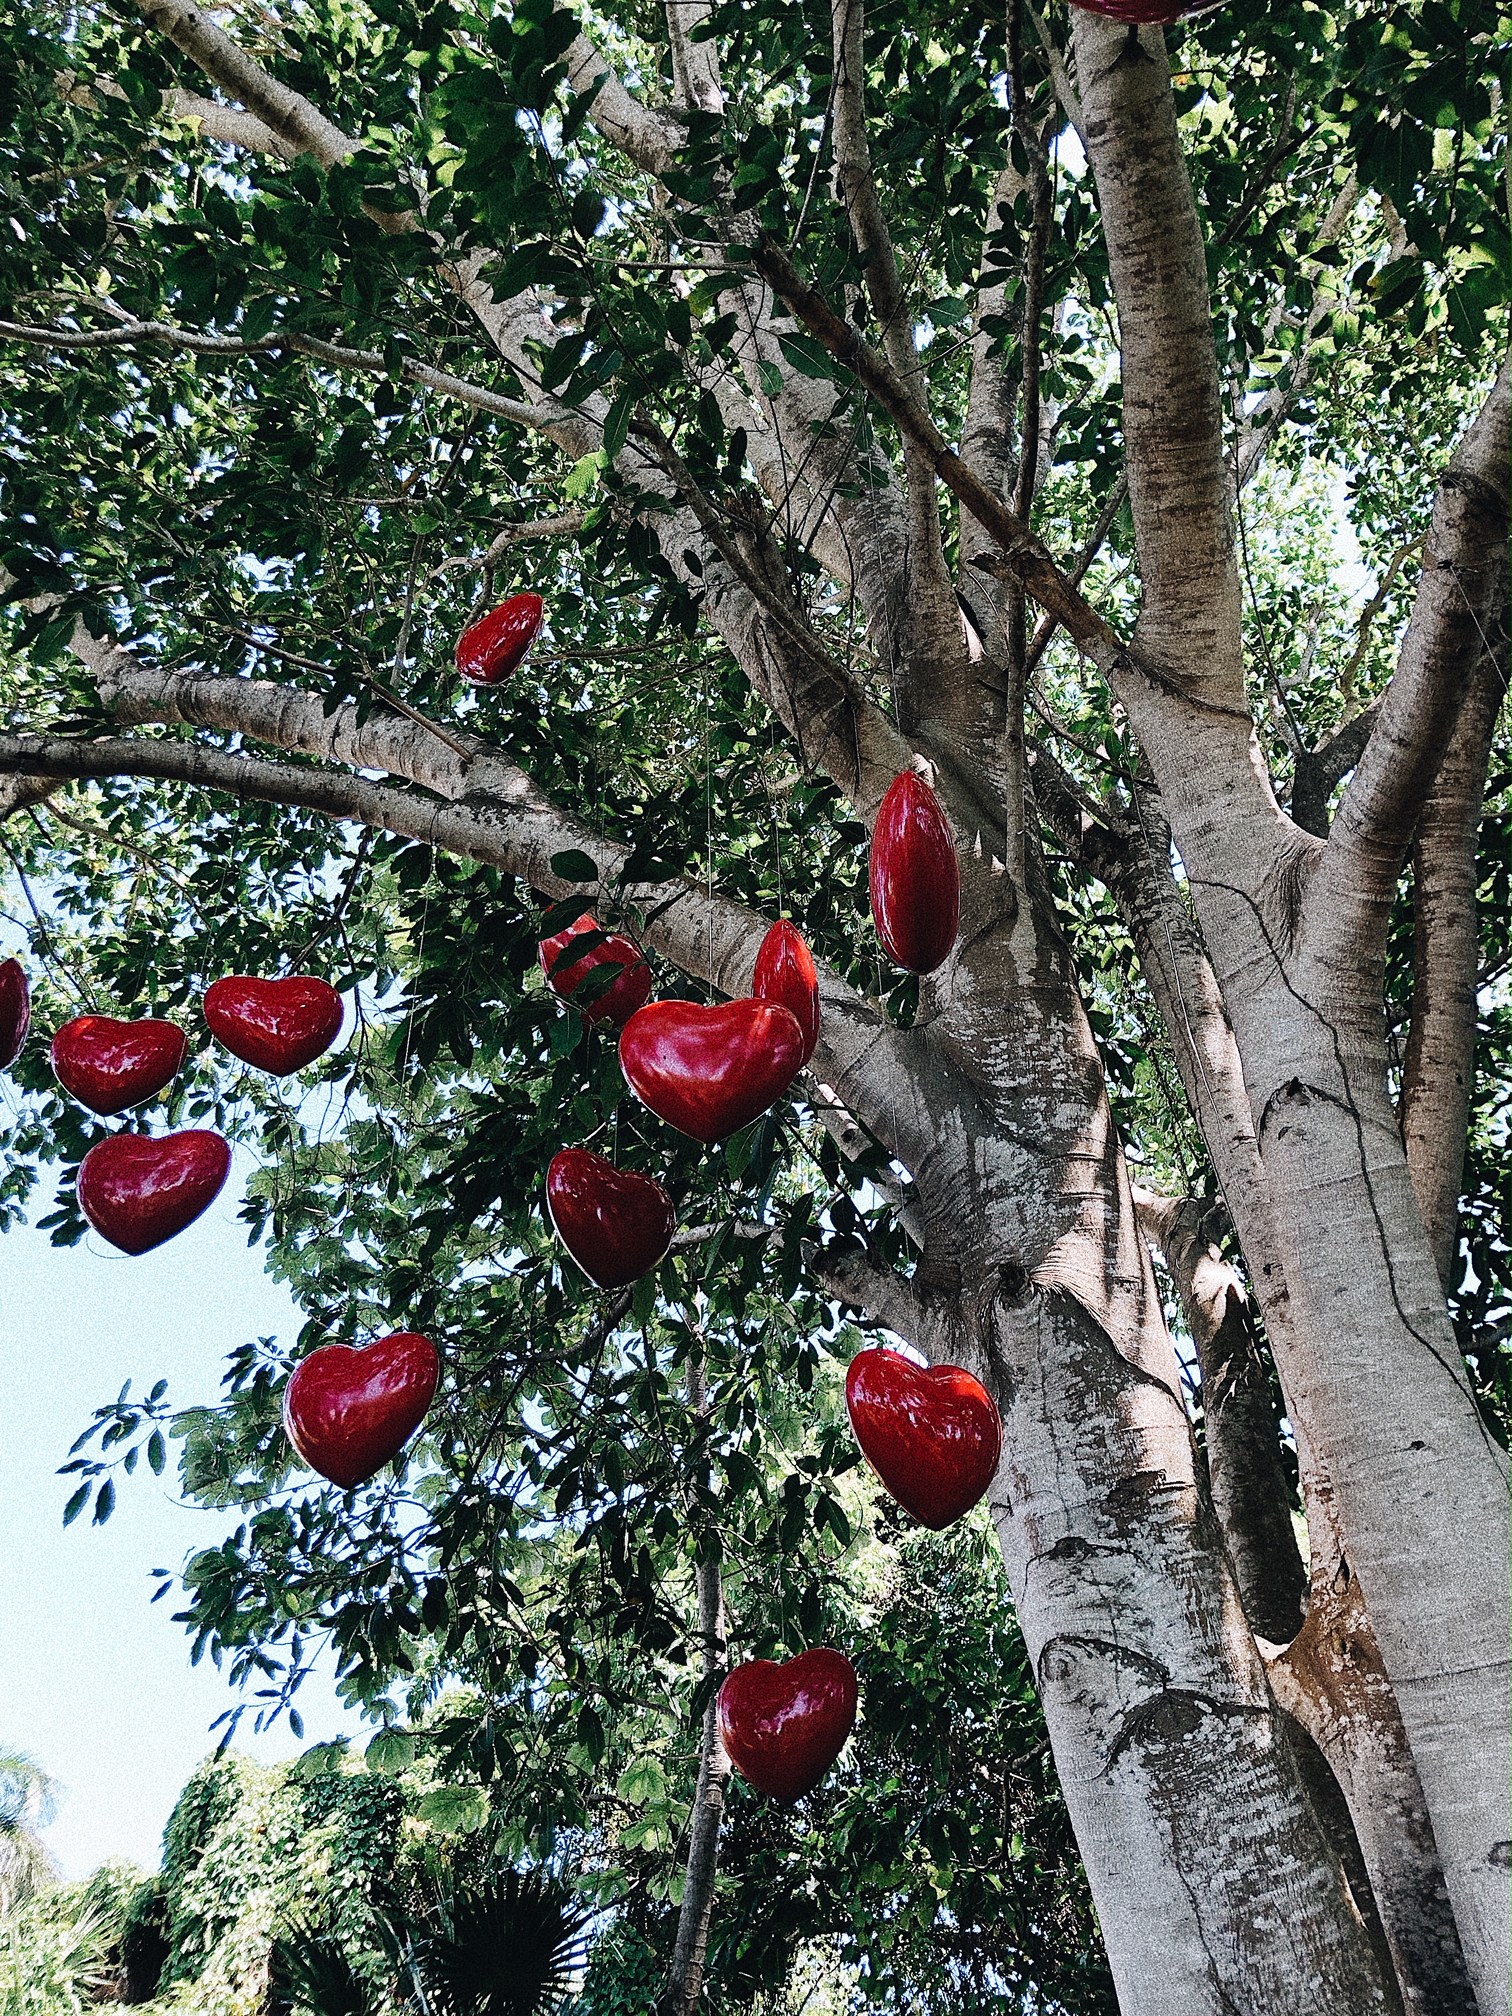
x: 1295, y: 933
x: 1439, y: 1069
x: 1249, y: 1487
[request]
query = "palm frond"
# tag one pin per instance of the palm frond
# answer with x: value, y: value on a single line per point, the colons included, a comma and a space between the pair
x: 310, y: 1972
x: 510, y: 1945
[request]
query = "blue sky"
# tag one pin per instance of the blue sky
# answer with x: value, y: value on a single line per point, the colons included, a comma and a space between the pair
x: 94, y: 1683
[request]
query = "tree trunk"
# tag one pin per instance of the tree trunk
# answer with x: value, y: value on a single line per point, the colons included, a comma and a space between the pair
x: 1217, y: 1888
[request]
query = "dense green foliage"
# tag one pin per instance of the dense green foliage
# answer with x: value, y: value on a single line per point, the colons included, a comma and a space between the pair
x: 257, y: 512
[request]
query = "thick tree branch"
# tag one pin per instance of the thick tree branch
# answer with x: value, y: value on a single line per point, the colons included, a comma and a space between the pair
x: 542, y: 416
x: 934, y: 650
x: 1243, y: 1437
x: 695, y: 58
x: 1190, y: 614
x: 1464, y: 567
x: 1319, y: 770
x: 229, y: 127
x: 288, y: 115
x: 1020, y: 551
x: 1439, y: 1072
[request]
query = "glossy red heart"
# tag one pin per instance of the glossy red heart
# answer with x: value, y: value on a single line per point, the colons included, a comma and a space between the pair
x: 1140, y: 12
x: 615, y: 1224
x: 932, y: 1433
x: 348, y: 1409
x: 278, y: 1025
x: 138, y: 1190
x: 914, y: 875
x: 785, y: 972
x: 493, y: 647
x: 566, y: 971
x: 108, y: 1065
x: 15, y: 1011
x: 784, y: 1724
x: 709, y: 1071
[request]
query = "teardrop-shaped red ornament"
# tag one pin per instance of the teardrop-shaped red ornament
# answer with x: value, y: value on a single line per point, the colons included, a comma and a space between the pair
x: 914, y: 876
x: 785, y: 972
x: 493, y: 647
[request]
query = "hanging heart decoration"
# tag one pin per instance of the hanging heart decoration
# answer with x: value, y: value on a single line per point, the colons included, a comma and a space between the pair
x: 15, y: 1011
x: 784, y: 1724
x: 108, y: 1065
x: 616, y: 1225
x: 709, y: 1071
x: 932, y: 1433
x: 1138, y: 13
x: 138, y: 1190
x: 493, y: 647
x: 278, y: 1025
x: 785, y: 972
x: 566, y: 968
x: 349, y: 1409
x: 914, y: 876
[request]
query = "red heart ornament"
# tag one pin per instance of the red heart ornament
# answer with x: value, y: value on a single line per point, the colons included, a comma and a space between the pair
x: 785, y: 972
x: 109, y: 1065
x: 138, y: 1190
x: 615, y: 1224
x: 914, y: 876
x: 278, y: 1025
x: 566, y: 971
x: 709, y: 1071
x: 932, y: 1433
x: 348, y: 1409
x: 1140, y: 12
x: 493, y: 647
x: 785, y: 1724
x: 15, y: 1011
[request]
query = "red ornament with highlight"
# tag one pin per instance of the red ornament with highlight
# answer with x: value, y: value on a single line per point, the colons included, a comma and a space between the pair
x: 785, y: 1724
x: 1135, y: 13
x: 108, y: 1065
x: 785, y: 972
x: 493, y: 647
x: 566, y: 970
x: 932, y: 1433
x: 15, y: 1011
x: 616, y: 1225
x: 139, y: 1190
x: 348, y: 1410
x: 914, y: 876
x: 277, y: 1025
x: 710, y: 1071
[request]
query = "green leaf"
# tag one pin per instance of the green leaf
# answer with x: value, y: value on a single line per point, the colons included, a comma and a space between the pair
x: 573, y: 865
x: 582, y: 478
x: 454, y: 1809
x: 391, y: 1752
x: 617, y: 426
